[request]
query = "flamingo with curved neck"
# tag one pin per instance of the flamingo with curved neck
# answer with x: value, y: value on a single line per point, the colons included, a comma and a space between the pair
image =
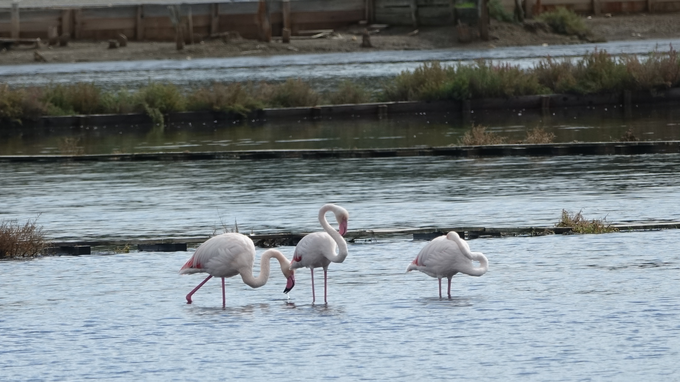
x: 318, y: 249
x: 232, y: 254
x: 447, y: 255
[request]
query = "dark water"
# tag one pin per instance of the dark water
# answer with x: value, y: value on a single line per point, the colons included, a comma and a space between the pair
x: 557, y: 308
x: 586, y: 124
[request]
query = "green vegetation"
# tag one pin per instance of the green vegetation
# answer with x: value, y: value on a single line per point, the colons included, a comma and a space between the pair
x: 564, y: 21
x: 579, y: 224
x: 498, y: 12
x: 537, y: 136
x: 596, y: 72
x: 18, y: 240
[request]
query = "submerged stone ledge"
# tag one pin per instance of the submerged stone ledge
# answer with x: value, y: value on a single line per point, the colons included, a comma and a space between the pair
x: 549, y: 149
x: 181, y: 244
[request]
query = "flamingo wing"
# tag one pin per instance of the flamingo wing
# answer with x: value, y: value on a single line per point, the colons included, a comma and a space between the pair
x: 222, y: 256
x: 313, y: 251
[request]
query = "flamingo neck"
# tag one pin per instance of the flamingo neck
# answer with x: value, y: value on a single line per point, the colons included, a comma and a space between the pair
x: 335, y: 235
x: 261, y: 279
x: 483, y: 264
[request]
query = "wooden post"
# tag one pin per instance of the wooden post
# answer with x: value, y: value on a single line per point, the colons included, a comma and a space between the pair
x: 78, y: 23
x: 528, y: 11
x: 190, y: 26
x: 263, y: 21
x: 484, y: 20
x: 370, y: 11
x: 285, y: 9
x: 66, y: 22
x: 650, y: 6
x: 15, y: 20
x: 596, y: 7
x: 214, y: 19
x: 139, y: 23
x: 414, y: 13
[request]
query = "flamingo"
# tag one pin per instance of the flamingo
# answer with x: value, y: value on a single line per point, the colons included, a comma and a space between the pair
x: 318, y: 249
x: 447, y: 255
x: 231, y: 254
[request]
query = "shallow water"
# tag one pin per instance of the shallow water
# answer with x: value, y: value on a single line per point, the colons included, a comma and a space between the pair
x: 121, y: 200
x: 322, y: 71
x: 556, y: 308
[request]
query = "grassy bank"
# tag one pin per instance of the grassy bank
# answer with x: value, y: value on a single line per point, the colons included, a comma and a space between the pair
x: 596, y: 72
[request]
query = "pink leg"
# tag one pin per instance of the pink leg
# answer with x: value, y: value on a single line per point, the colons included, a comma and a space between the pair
x: 325, y: 282
x: 449, y: 287
x: 440, y: 288
x: 313, y: 295
x: 224, y: 299
x: 197, y: 288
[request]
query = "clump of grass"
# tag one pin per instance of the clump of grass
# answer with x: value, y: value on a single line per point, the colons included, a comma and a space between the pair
x: 234, y: 97
x: 292, y: 93
x: 349, y: 93
x: 18, y: 240
x: 78, y: 98
x: 479, y: 136
x: 579, y: 224
x: 538, y: 135
x: 564, y: 21
x: 628, y: 136
x: 70, y: 146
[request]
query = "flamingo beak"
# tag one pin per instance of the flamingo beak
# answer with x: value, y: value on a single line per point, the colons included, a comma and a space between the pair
x: 290, y: 283
x: 343, y: 227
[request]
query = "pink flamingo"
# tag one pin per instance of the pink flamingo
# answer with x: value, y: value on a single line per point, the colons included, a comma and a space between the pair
x: 447, y: 255
x: 318, y: 249
x: 231, y: 254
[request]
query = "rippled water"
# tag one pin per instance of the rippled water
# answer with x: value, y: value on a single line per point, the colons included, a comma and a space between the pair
x: 175, y: 199
x: 557, y: 308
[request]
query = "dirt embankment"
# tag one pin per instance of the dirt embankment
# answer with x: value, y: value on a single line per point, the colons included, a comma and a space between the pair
x: 641, y: 26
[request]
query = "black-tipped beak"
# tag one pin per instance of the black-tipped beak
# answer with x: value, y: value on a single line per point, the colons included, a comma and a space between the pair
x: 290, y: 284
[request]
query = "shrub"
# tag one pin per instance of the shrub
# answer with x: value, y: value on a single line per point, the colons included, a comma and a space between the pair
x: 564, y: 21
x: 21, y: 240
x: 78, y: 98
x: 235, y: 97
x: 479, y: 136
x: 537, y: 136
x: 292, y: 93
x: 579, y: 224
x: 498, y: 12
x: 659, y: 70
x: 349, y: 93
x: 165, y: 98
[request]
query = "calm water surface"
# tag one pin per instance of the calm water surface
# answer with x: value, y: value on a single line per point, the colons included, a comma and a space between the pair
x: 174, y: 199
x: 557, y: 308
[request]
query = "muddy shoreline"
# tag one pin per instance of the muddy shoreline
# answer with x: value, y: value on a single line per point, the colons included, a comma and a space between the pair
x: 617, y: 28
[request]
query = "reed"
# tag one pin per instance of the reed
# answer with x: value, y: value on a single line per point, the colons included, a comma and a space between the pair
x: 479, y: 136
x: 18, y: 240
x: 579, y: 224
x: 538, y: 135
x: 348, y: 93
x: 292, y: 93
x: 235, y: 97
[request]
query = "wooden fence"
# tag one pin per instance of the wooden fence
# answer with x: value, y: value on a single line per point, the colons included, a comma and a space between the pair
x: 152, y: 21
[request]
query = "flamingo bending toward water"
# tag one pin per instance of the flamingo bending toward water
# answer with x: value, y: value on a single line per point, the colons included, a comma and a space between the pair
x: 318, y: 249
x: 447, y: 255
x: 231, y: 254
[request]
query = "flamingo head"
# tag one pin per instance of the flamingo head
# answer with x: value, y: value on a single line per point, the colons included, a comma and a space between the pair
x: 343, y: 226
x: 290, y: 283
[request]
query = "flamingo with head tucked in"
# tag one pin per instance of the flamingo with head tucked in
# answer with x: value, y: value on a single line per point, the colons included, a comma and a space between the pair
x: 447, y: 255
x: 318, y: 249
x: 232, y: 254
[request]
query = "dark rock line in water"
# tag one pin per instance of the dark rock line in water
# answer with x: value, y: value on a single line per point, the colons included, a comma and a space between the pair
x: 362, y: 236
x: 548, y: 149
